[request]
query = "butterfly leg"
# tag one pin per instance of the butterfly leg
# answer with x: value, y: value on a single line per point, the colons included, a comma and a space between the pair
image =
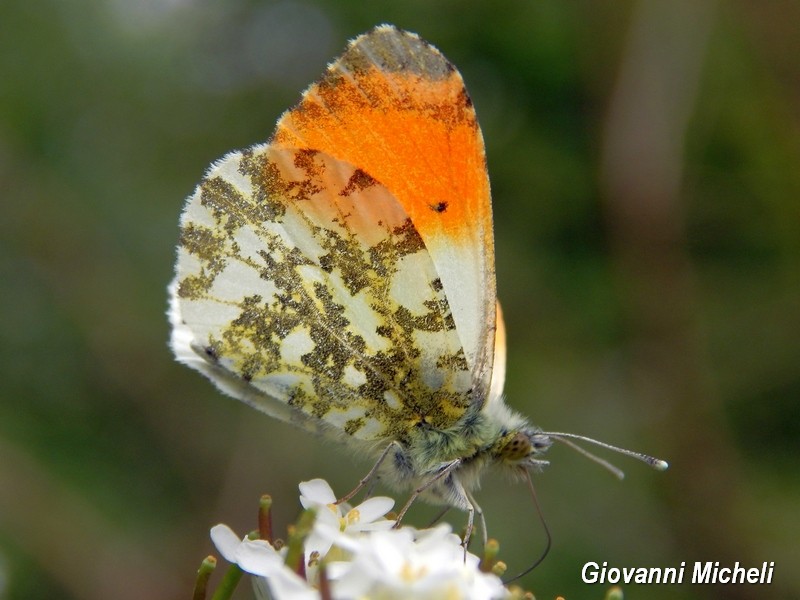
x: 369, y: 476
x: 481, y: 517
x: 471, y: 508
x: 442, y: 472
x: 438, y: 517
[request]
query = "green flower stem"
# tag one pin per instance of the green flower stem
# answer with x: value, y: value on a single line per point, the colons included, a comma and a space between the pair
x: 297, y: 535
x: 229, y: 582
x: 203, y: 573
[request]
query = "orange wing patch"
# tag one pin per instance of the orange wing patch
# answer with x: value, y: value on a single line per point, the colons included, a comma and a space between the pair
x: 396, y: 109
x: 416, y: 135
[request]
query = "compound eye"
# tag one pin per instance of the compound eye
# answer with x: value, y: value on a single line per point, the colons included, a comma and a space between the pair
x: 517, y: 448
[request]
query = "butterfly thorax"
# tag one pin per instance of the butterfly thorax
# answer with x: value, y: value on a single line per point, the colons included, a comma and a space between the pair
x: 491, y: 437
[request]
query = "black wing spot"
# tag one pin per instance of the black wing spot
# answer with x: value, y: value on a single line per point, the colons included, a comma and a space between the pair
x: 212, y: 353
x: 439, y: 207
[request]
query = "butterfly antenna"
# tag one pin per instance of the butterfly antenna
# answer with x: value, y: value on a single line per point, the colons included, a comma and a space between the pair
x: 542, y: 520
x: 611, y: 468
x: 564, y: 438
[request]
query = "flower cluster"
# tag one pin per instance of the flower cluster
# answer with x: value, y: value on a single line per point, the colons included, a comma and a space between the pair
x: 356, y: 553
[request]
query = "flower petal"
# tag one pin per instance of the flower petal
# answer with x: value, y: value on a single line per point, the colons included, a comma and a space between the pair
x: 316, y: 491
x: 383, y: 525
x: 288, y: 585
x: 374, y: 508
x: 258, y: 557
x: 319, y: 542
x: 226, y: 541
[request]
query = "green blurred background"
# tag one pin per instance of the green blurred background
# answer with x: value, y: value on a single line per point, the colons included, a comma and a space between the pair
x: 645, y: 165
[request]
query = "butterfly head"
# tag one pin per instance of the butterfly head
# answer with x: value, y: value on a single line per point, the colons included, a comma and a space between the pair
x: 522, y: 448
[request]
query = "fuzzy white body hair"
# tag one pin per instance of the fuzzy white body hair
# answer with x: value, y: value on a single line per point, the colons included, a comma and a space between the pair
x: 477, y: 443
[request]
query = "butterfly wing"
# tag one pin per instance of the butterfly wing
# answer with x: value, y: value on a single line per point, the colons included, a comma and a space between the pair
x: 303, y: 288
x: 398, y: 109
x: 499, y: 365
x: 341, y: 276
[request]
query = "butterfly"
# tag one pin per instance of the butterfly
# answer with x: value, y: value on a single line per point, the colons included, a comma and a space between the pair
x: 341, y: 276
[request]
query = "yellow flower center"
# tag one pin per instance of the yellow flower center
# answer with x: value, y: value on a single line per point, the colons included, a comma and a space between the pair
x: 353, y: 516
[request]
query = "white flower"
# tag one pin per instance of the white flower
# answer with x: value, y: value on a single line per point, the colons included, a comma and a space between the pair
x: 405, y: 563
x: 363, y: 557
x: 257, y: 557
x: 335, y: 521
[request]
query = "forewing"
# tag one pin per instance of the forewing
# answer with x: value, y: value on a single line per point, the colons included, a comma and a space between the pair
x: 304, y: 288
x: 394, y: 106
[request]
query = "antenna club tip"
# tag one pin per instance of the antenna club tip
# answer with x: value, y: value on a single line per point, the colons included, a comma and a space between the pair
x: 661, y: 465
